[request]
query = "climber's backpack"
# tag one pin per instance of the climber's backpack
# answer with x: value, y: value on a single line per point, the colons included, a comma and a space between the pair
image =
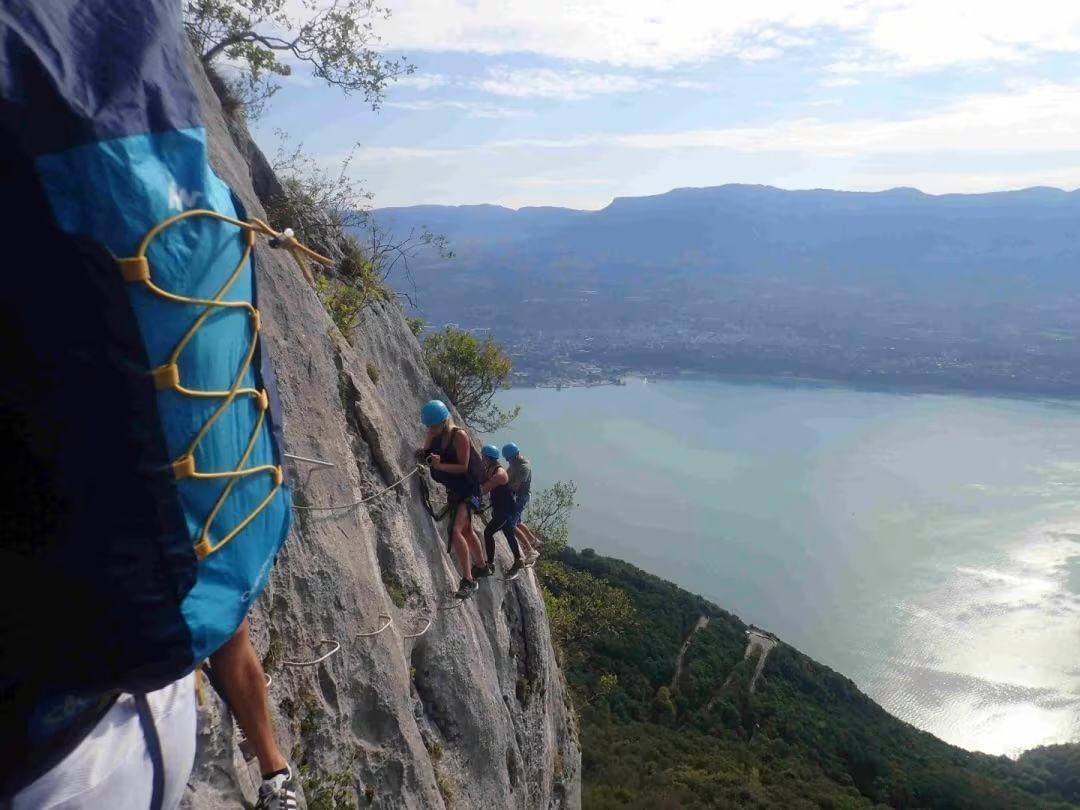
x: 123, y: 567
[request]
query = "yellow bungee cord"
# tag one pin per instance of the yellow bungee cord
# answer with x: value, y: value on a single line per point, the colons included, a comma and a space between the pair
x: 136, y: 270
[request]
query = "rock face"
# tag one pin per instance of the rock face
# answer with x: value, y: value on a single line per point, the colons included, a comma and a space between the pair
x: 474, y: 712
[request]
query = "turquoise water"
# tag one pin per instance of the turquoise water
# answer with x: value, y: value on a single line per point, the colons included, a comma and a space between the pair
x: 927, y: 546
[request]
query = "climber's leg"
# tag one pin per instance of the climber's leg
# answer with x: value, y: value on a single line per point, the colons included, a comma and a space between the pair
x: 533, y: 540
x: 489, y: 540
x: 510, y: 533
x: 476, y: 550
x: 523, y: 540
x: 462, y: 519
x: 240, y: 676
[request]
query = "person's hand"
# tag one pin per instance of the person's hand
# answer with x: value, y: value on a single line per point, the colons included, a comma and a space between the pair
x: 434, y: 460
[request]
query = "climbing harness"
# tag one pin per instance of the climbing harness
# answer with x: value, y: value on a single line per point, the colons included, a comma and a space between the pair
x: 136, y: 270
x: 319, y: 660
x: 356, y: 503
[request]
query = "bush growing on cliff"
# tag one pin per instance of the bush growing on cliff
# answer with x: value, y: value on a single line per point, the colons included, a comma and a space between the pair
x: 470, y: 371
x: 328, y: 211
x: 548, y: 514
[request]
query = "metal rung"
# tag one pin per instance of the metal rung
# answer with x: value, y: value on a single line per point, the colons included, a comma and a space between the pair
x: 317, y: 461
x: 389, y: 621
x: 319, y: 660
x: 426, y: 628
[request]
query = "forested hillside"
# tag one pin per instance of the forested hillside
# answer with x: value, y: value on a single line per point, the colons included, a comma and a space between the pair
x: 801, y: 736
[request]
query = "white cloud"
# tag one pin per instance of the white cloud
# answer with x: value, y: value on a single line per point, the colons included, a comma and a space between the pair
x: 946, y: 182
x: 568, y: 85
x: 1040, y: 119
x: 474, y: 109
x: 840, y: 81
x: 381, y: 154
x: 759, y: 53
x: 896, y: 35
x: 423, y: 81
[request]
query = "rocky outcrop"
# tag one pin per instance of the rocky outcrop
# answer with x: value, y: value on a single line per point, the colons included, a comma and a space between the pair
x: 473, y: 713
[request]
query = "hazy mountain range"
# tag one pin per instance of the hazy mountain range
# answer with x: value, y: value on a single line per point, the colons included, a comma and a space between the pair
x: 894, y: 288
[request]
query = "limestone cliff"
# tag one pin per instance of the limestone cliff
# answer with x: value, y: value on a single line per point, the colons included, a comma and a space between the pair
x: 475, y: 712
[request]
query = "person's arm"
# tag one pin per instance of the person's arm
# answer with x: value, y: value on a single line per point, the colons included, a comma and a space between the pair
x: 429, y: 440
x: 238, y: 671
x: 461, y: 446
x: 497, y: 478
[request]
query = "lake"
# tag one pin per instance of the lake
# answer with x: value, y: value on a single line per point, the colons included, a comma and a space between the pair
x: 926, y: 546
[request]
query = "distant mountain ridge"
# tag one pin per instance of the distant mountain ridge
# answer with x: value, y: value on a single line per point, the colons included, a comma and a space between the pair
x: 892, y: 287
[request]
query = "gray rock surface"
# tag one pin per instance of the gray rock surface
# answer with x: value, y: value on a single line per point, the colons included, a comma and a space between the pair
x: 475, y: 712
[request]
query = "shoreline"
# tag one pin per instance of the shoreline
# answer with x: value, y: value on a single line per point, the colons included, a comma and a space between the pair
x: 784, y: 380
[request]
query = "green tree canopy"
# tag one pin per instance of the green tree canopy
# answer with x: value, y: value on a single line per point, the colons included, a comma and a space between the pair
x: 470, y: 371
x: 548, y: 514
x: 336, y: 39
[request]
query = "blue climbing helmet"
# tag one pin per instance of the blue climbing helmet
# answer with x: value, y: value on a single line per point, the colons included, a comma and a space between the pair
x: 510, y: 450
x: 434, y: 412
x: 490, y: 451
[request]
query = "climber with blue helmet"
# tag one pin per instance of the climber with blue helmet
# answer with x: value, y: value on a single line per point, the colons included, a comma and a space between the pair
x: 520, y: 474
x: 455, y: 464
x: 497, y: 484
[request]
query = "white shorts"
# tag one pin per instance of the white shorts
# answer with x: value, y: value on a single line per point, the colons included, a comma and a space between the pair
x: 111, y: 767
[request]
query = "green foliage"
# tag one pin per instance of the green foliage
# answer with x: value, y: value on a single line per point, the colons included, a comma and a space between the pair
x: 663, y: 705
x: 807, y: 738
x: 342, y: 301
x: 373, y: 373
x: 548, y: 515
x: 320, y: 204
x: 581, y: 608
x: 444, y: 783
x: 335, y: 40
x: 311, y: 715
x: 470, y: 371
x: 608, y: 684
x: 333, y: 791
x: 274, y: 651
x: 436, y: 751
x: 1057, y: 767
x: 416, y: 325
x: 394, y: 589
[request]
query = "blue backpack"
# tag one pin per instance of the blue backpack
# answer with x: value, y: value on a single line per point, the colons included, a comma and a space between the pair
x: 144, y: 501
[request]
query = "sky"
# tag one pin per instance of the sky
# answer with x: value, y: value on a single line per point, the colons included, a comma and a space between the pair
x: 575, y: 102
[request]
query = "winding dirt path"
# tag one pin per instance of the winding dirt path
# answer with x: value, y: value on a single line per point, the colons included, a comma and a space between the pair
x: 756, y: 640
x: 702, y: 622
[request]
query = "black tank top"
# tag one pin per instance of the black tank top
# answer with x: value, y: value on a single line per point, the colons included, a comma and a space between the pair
x: 461, y: 485
x: 502, y: 499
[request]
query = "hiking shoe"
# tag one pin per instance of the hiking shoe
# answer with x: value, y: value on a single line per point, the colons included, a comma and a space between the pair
x: 515, y: 569
x: 490, y: 570
x: 482, y: 571
x: 468, y: 588
x: 278, y: 793
x: 530, y: 560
